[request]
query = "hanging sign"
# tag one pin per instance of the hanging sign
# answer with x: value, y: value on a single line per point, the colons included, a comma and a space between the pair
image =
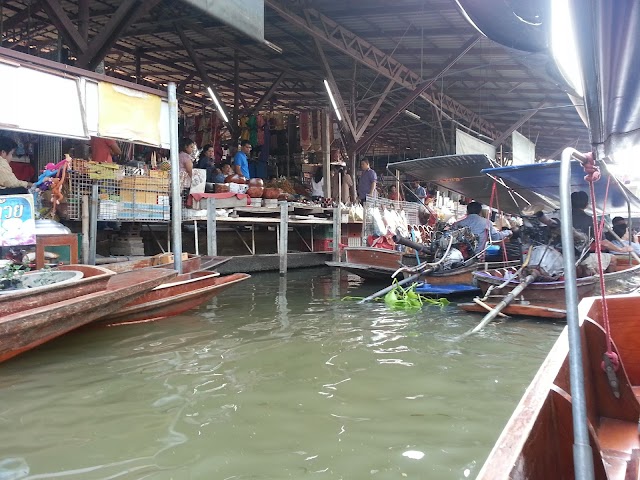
x: 17, y: 224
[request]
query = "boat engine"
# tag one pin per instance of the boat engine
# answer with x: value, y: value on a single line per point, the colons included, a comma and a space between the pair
x: 463, y: 247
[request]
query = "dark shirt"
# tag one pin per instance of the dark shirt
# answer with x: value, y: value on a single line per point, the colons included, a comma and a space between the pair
x: 582, y: 221
x: 366, y: 181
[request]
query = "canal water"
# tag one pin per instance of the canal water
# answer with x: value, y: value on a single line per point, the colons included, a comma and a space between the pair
x: 275, y: 379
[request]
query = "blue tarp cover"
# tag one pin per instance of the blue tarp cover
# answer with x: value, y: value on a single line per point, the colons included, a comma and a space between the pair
x: 544, y: 178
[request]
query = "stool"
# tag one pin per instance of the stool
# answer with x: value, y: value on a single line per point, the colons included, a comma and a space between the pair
x: 56, y: 240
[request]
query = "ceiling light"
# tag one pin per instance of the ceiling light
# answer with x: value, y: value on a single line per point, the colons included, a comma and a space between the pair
x: 333, y: 101
x: 411, y: 114
x: 218, y: 105
x: 273, y: 46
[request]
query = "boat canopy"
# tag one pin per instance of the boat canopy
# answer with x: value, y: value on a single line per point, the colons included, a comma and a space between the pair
x: 463, y: 174
x: 544, y: 178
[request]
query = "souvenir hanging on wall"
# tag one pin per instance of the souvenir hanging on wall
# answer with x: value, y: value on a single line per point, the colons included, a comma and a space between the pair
x: 252, y: 125
x: 244, y: 129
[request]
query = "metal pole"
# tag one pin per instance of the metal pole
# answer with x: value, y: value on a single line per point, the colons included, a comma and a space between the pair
x: 93, y: 224
x: 326, y: 154
x: 176, y: 199
x: 337, y: 232
x: 284, y: 236
x: 582, y: 455
x: 85, y: 229
x: 212, y: 234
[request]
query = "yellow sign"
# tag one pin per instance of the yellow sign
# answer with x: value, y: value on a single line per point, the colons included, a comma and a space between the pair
x: 129, y: 115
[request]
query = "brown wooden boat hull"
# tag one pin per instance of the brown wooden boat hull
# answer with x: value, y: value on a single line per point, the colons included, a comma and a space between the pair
x: 22, y: 331
x: 185, y: 292
x: 518, y: 309
x: 458, y: 275
x: 536, y: 443
x: 191, y: 264
x: 94, y: 279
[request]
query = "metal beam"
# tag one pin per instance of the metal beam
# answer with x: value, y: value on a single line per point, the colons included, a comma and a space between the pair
x: 15, y: 20
x: 268, y: 94
x: 356, y: 47
x: 374, y: 110
x: 64, y: 24
x: 518, y: 124
x: 83, y: 19
x: 200, y: 67
x: 346, y: 118
x: 128, y: 12
x: 411, y: 96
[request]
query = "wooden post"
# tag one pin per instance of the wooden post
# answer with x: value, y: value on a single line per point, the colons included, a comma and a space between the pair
x: 212, y: 233
x: 284, y: 236
x: 93, y: 224
x: 86, y: 221
x: 337, y: 233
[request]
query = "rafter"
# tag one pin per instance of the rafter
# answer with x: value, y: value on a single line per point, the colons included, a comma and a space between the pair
x: 63, y: 23
x: 521, y: 121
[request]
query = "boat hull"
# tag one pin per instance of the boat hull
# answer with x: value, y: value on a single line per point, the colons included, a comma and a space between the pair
x: 191, y: 264
x: 95, y: 279
x: 25, y: 330
x: 185, y: 292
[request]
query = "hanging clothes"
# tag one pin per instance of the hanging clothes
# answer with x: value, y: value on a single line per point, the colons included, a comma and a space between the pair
x: 316, y: 131
x: 305, y: 130
x: 244, y: 129
x: 261, y: 123
x: 252, y: 125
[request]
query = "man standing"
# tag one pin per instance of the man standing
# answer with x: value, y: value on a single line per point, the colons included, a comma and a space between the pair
x: 240, y: 161
x: 368, y: 181
x: 102, y: 149
x: 420, y: 191
x: 480, y: 226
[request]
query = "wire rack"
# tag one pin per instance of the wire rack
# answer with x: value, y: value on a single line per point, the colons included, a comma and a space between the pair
x: 410, y: 210
x: 122, y: 197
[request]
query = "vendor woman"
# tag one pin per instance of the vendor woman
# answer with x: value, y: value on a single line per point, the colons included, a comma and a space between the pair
x: 187, y: 146
x: 9, y: 184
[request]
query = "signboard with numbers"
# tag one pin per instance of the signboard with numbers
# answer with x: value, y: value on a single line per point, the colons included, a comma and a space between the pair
x: 17, y: 224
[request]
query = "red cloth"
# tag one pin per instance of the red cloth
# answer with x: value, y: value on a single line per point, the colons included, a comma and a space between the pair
x: 199, y: 196
x: 23, y: 171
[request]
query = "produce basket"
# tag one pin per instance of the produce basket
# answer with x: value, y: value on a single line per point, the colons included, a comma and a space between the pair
x: 102, y: 171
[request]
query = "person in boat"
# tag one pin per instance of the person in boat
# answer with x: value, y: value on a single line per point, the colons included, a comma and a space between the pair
x: 583, y: 222
x: 620, y: 228
x: 481, y: 226
x: 9, y: 183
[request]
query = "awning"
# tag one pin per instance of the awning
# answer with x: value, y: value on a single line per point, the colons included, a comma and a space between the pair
x: 544, y: 178
x: 463, y: 174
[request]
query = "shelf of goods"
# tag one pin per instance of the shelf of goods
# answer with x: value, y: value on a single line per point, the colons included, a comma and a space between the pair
x: 124, y: 193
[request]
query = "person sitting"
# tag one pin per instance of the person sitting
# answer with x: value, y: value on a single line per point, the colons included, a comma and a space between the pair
x: 480, y: 226
x: 583, y: 222
x: 620, y: 229
x: 217, y: 176
x: 394, y: 194
x: 9, y: 183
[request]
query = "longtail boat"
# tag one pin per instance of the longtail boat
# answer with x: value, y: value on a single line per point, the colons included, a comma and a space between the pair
x: 93, y: 279
x: 26, y: 329
x: 183, y: 293
x: 191, y: 263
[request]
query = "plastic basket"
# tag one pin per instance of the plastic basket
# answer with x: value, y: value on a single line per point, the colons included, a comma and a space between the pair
x: 102, y: 171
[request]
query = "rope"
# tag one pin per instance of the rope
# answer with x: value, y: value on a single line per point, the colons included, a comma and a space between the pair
x: 592, y: 176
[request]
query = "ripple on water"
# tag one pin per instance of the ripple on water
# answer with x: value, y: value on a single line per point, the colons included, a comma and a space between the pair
x: 277, y: 379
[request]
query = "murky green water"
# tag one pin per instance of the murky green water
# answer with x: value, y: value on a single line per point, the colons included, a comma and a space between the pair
x: 274, y: 380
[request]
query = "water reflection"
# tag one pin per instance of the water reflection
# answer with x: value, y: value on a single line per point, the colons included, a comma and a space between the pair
x: 276, y: 379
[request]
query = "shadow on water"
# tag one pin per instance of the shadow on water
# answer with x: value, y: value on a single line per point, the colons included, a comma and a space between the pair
x: 275, y: 379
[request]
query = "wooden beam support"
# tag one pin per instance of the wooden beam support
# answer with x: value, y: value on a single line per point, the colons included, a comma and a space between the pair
x: 363, y: 143
x: 21, y: 16
x: 65, y: 26
x: 268, y: 94
x: 128, y: 12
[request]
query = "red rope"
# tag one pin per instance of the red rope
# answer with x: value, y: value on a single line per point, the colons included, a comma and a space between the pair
x: 593, y: 175
x: 494, y: 195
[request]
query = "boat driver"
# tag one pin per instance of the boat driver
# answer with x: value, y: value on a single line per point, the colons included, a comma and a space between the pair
x: 583, y: 222
x: 480, y: 225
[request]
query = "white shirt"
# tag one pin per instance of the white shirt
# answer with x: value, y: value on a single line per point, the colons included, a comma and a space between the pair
x: 317, y: 189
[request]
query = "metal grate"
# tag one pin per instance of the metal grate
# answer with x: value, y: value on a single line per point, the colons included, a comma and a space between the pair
x: 124, y: 198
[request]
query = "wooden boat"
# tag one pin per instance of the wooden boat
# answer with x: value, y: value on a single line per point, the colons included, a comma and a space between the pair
x: 376, y: 264
x: 186, y: 291
x: 537, y: 441
x: 94, y: 279
x: 542, y: 299
x: 26, y: 329
x: 191, y: 263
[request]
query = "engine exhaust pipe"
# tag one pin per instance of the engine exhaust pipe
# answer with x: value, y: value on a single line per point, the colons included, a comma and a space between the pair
x: 419, y: 247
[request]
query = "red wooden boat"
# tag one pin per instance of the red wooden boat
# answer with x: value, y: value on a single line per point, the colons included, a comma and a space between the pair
x: 543, y: 299
x: 26, y: 329
x: 370, y: 263
x: 94, y: 279
x: 183, y: 293
x: 536, y: 443
x: 192, y: 263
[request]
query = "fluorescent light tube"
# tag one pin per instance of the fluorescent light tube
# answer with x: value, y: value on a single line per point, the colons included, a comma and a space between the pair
x: 333, y: 101
x: 218, y: 105
x: 411, y: 114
